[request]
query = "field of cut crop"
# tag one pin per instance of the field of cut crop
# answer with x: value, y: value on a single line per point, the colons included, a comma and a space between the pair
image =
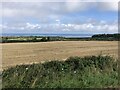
x: 26, y: 53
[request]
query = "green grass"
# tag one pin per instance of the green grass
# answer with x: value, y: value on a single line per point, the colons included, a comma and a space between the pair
x: 75, y: 72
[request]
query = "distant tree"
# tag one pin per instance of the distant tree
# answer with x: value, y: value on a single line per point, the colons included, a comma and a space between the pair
x: 107, y: 36
x: 34, y: 39
x: 44, y: 39
x: 48, y: 38
x: 4, y: 39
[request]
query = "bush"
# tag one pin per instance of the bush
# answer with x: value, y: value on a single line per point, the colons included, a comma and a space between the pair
x: 75, y: 72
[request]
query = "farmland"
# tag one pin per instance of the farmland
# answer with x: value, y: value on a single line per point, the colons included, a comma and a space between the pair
x: 67, y: 64
x: 26, y: 53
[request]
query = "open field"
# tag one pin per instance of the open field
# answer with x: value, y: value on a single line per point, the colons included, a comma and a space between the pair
x: 25, y: 53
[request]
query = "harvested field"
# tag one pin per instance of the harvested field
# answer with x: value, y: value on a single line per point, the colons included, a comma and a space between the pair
x: 26, y: 53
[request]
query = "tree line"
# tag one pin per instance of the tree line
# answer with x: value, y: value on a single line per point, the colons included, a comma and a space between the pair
x: 107, y: 36
x: 98, y: 37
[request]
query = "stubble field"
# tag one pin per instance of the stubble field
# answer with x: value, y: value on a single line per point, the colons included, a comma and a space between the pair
x: 27, y: 53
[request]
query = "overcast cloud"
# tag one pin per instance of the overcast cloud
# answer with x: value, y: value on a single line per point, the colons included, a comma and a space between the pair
x: 59, y: 17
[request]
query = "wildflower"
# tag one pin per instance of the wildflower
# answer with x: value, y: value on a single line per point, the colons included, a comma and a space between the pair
x: 16, y: 74
x: 74, y: 71
x: 26, y: 68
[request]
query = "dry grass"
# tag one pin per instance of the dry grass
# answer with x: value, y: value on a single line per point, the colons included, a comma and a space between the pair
x: 24, y: 53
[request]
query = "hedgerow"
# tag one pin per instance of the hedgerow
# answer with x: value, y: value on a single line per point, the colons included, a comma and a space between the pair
x: 75, y: 72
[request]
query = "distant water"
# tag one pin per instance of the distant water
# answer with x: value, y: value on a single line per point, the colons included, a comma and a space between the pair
x: 53, y: 35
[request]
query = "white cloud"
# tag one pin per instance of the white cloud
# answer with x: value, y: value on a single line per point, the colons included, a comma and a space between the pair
x: 46, y: 9
x: 102, y: 22
x: 44, y: 12
x: 60, y: 1
x: 98, y: 27
x: 3, y: 26
x: 108, y: 6
x: 32, y: 26
x: 57, y: 20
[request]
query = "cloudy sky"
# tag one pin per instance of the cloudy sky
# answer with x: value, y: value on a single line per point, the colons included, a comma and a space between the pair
x: 59, y: 17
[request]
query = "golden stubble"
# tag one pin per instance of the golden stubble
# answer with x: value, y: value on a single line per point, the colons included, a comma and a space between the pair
x: 27, y: 53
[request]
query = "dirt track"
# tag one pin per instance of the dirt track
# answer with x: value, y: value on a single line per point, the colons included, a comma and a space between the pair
x: 24, y: 53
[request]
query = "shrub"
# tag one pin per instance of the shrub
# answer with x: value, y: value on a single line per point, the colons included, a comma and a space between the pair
x: 75, y: 72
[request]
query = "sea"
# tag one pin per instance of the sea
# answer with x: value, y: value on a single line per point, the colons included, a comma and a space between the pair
x: 52, y: 35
